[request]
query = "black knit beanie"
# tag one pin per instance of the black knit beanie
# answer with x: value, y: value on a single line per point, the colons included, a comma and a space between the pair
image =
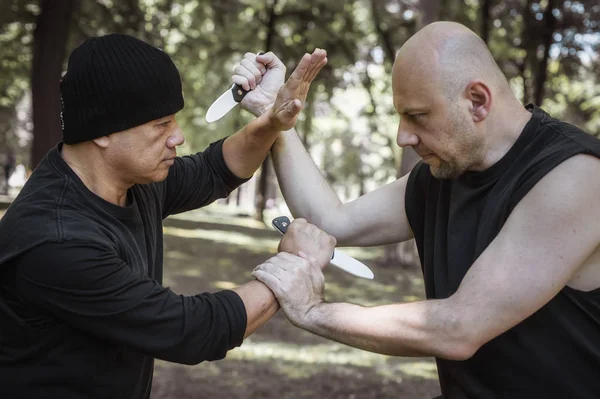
x: 116, y: 82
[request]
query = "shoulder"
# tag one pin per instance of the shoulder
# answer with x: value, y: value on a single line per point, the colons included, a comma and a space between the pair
x: 568, y: 132
x: 67, y: 263
x: 572, y: 186
x: 575, y: 170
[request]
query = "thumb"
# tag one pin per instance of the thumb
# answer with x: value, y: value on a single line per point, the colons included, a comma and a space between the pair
x: 292, y: 108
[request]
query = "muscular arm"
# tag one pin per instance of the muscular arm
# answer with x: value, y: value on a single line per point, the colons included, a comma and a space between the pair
x: 543, y: 244
x: 376, y: 218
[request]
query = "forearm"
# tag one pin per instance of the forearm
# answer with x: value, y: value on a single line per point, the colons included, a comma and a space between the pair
x: 424, y: 328
x: 260, y: 304
x: 306, y: 192
x: 246, y: 150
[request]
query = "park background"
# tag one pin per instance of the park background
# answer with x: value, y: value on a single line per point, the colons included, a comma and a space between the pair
x: 548, y: 50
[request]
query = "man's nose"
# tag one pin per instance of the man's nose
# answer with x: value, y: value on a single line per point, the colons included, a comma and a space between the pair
x: 405, y: 136
x: 176, y: 138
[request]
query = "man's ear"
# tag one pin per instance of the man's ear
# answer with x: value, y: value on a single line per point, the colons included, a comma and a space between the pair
x: 480, y: 96
x: 102, y: 142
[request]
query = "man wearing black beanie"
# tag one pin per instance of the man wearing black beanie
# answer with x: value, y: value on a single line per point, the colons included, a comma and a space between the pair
x: 82, y: 310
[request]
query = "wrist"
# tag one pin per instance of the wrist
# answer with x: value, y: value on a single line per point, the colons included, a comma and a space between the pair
x: 272, y: 119
x: 266, y: 126
x: 313, y: 315
x: 262, y: 110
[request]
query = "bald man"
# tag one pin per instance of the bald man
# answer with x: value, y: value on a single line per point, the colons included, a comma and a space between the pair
x: 505, y: 212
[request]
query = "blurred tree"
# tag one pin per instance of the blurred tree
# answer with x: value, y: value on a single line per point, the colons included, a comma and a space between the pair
x: 49, y: 50
x: 266, y: 169
x: 547, y: 48
x: 17, y: 22
x: 405, y: 253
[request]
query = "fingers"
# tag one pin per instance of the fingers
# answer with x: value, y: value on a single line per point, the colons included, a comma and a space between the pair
x: 310, y: 65
x: 270, y: 60
x: 317, y: 62
x: 253, y: 69
x: 301, y: 69
x: 244, y: 77
x: 298, y: 223
x: 250, y: 72
x: 311, y: 259
x: 315, y: 71
x: 242, y: 81
x: 283, y: 262
x: 253, y: 59
x: 309, y: 239
x: 269, y: 280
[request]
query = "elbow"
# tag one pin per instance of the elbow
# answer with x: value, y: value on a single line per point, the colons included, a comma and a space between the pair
x: 460, y: 342
x: 460, y: 351
x: 192, y: 358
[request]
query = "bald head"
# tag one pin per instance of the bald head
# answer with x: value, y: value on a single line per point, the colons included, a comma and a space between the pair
x: 449, y: 55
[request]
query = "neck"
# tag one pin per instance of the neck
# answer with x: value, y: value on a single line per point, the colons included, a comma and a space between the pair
x: 87, y: 163
x: 504, y: 128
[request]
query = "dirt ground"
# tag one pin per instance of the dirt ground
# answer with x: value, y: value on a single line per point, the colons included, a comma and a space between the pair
x: 207, y: 251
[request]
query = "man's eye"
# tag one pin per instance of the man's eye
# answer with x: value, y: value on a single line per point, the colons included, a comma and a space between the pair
x: 164, y: 124
x: 417, y: 117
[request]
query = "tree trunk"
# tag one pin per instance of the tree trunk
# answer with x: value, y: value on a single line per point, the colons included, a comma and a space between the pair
x: 485, y: 20
x: 309, y: 113
x: 388, y: 46
x: 49, y: 50
x: 529, y: 43
x: 430, y: 11
x: 263, y: 189
x: 265, y: 170
x: 547, y: 37
x: 405, y: 253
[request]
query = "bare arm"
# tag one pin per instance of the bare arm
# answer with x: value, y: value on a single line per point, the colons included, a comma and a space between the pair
x: 260, y: 304
x: 376, y: 218
x: 541, y: 247
x: 245, y: 151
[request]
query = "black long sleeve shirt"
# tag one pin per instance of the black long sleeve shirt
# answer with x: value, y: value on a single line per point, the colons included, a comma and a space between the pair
x: 82, y: 309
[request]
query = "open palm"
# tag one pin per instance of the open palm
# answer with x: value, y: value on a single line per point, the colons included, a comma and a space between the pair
x: 282, y: 101
x: 292, y: 95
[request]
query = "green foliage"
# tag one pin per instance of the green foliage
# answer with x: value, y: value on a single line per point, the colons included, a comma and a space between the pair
x: 352, y: 106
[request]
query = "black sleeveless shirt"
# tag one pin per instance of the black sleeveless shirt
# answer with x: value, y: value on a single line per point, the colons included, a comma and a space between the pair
x: 555, y: 353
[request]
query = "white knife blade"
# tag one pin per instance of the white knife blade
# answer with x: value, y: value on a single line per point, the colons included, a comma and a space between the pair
x: 339, y: 259
x: 225, y: 103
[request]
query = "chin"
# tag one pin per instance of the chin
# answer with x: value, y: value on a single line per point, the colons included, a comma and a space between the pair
x: 445, y: 171
x: 156, y: 178
x: 160, y: 177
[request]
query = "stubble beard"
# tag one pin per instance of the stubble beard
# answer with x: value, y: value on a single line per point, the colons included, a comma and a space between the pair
x: 466, y: 154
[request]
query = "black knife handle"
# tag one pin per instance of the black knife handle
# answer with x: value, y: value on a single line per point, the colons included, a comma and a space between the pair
x: 281, y: 224
x: 238, y: 91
